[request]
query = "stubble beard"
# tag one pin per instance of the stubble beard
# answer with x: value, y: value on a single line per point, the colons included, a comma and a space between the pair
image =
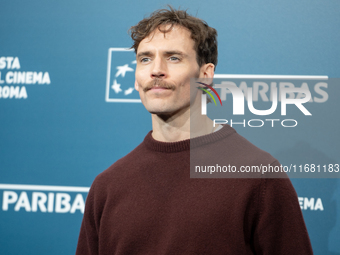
x: 159, y: 83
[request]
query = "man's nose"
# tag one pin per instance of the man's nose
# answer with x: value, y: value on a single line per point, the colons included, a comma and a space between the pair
x: 159, y: 69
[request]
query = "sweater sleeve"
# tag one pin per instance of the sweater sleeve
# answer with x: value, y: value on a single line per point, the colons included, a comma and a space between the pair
x: 88, y: 237
x: 280, y: 228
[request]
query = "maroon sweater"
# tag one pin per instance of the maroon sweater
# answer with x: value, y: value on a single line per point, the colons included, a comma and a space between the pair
x: 146, y: 203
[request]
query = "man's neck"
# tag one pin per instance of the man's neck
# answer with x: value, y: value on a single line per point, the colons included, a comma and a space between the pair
x: 181, y: 126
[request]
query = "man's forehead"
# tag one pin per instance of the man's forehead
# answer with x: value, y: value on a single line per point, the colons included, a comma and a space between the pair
x: 168, y: 32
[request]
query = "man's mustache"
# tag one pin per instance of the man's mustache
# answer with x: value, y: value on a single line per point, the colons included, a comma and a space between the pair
x: 159, y: 84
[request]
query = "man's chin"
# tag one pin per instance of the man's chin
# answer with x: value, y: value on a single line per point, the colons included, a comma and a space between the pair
x: 164, y: 112
x: 156, y: 106
x: 164, y: 109
x: 160, y: 111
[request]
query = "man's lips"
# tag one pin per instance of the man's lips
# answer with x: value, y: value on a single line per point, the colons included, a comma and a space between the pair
x: 158, y: 88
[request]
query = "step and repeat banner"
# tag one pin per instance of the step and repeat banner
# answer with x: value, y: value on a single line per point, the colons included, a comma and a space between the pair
x: 68, y: 107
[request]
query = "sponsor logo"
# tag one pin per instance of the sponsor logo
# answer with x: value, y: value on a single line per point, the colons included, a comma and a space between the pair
x: 12, y: 79
x: 312, y: 204
x: 266, y: 91
x: 66, y: 199
x: 43, y: 198
x: 120, y: 78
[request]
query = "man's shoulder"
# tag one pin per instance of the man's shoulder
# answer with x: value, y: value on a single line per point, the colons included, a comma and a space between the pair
x: 246, y: 148
x: 237, y: 148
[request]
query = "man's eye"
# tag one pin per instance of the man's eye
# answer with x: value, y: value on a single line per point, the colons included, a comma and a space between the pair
x: 174, y: 58
x: 143, y: 60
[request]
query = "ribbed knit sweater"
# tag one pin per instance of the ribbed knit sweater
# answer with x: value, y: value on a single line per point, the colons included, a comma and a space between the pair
x: 146, y: 203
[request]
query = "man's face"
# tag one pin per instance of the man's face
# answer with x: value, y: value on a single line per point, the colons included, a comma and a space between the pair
x: 165, y: 64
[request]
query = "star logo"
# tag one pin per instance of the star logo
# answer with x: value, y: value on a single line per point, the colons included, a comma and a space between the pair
x: 116, y: 87
x: 128, y: 91
x: 120, y: 76
x: 123, y: 69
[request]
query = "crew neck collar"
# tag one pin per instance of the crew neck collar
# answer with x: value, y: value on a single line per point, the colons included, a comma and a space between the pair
x: 179, y: 146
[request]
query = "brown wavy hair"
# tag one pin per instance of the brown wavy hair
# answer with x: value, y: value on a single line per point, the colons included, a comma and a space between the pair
x: 205, y: 37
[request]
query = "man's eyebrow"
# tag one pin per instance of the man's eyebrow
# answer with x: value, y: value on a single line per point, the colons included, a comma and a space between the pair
x: 167, y: 53
x: 144, y: 53
x: 174, y: 52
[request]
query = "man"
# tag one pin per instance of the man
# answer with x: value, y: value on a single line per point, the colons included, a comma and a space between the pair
x: 146, y: 203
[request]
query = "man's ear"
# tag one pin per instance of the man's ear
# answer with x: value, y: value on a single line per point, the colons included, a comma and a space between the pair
x: 207, y: 73
x: 207, y: 70
x: 136, y: 86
